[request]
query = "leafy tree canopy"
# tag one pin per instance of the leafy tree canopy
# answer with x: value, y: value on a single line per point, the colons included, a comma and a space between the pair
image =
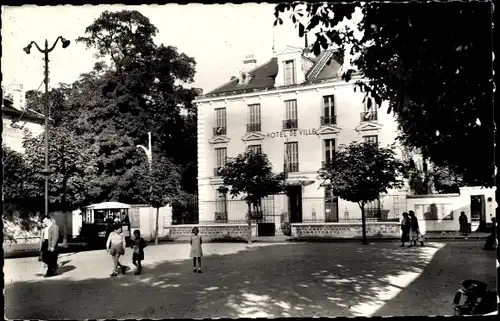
x: 251, y: 174
x: 165, y: 181
x: 360, y: 172
x: 73, y: 167
x: 136, y: 87
x: 15, y: 184
x: 431, y: 61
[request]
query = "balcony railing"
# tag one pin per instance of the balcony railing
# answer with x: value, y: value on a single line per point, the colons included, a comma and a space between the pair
x: 253, y: 128
x: 329, y: 120
x: 290, y: 124
x: 369, y: 115
x: 292, y: 167
x: 218, y: 131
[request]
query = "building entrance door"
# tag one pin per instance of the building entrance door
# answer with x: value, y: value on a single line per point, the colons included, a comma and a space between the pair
x: 332, y: 209
x: 295, y: 203
x: 478, y: 211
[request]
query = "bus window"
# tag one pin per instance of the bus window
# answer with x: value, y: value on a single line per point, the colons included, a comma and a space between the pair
x: 99, y: 216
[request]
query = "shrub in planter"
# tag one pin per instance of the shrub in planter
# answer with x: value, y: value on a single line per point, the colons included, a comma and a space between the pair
x: 286, y: 229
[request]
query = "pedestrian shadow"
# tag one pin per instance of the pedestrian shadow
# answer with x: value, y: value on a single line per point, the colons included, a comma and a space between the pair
x: 282, y: 280
x: 65, y: 268
x: 63, y: 263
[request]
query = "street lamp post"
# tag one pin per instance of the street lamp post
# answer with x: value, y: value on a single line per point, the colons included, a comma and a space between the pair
x: 46, y: 171
x: 149, y: 155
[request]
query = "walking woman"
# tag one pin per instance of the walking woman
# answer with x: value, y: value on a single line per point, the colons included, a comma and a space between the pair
x: 414, y: 230
x: 116, y: 247
x: 405, y: 229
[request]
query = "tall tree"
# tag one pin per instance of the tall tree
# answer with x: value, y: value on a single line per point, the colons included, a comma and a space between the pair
x: 250, y: 174
x: 135, y: 87
x: 143, y: 90
x: 73, y: 168
x: 124, y: 36
x: 429, y: 62
x: 360, y: 173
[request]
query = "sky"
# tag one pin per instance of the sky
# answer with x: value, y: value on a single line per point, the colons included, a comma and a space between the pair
x: 216, y: 36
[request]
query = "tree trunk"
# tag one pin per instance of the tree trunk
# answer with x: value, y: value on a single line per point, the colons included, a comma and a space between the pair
x: 65, y: 230
x: 156, y: 229
x: 363, y: 223
x: 249, y: 221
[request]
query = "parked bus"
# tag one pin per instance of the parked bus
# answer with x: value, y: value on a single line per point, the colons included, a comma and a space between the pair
x: 97, y: 217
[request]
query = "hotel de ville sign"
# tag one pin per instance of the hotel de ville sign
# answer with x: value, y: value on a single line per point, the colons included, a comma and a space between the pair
x: 292, y: 133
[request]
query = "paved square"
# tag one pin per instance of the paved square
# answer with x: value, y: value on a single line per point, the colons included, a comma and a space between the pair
x: 261, y: 280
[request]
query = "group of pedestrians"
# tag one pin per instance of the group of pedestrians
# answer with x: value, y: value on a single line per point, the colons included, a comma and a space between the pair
x: 116, y: 245
x: 410, y: 230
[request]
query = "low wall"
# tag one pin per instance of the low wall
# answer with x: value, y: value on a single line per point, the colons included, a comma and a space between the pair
x: 210, y: 231
x: 345, y: 230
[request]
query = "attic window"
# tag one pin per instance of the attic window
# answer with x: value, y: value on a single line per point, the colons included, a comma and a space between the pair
x: 289, y: 68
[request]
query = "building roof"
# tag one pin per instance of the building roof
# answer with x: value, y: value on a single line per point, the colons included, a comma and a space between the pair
x: 26, y: 114
x: 263, y: 77
x: 108, y: 205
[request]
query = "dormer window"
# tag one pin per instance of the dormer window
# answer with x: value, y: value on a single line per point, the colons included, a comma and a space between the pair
x: 289, y: 72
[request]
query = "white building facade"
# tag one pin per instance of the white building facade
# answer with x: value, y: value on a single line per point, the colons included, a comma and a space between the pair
x: 296, y: 109
x: 17, y: 119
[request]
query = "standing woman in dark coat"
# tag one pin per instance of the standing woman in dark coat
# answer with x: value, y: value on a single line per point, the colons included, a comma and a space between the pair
x: 414, y: 230
x: 462, y: 220
x: 405, y: 229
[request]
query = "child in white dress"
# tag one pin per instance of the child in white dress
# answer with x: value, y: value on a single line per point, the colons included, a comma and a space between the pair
x: 196, y: 251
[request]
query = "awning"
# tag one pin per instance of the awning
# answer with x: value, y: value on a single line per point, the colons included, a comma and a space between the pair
x: 109, y: 205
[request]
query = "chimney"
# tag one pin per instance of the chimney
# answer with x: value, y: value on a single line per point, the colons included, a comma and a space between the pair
x: 18, y: 96
x: 249, y: 63
x: 306, y: 52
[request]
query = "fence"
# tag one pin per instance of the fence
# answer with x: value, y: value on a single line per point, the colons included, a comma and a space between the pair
x: 275, y: 209
x: 438, y: 212
x: 235, y: 211
x: 185, y: 213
